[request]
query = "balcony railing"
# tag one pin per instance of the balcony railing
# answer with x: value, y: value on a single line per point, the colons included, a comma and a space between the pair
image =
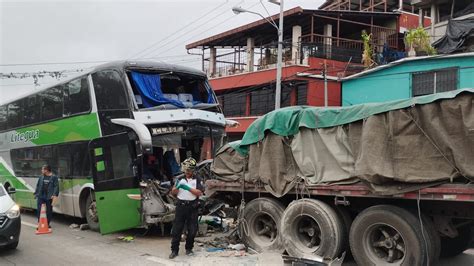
x: 235, y: 61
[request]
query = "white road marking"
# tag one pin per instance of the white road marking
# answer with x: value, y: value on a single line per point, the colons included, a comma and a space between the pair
x: 29, y: 224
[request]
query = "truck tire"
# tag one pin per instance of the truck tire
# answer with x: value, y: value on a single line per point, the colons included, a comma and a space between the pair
x: 311, y: 229
x: 346, y: 220
x: 91, y: 214
x: 387, y: 235
x: 451, y: 247
x: 433, y: 239
x: 260, y: 228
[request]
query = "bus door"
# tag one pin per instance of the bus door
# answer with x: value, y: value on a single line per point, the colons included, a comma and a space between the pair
x: 115, y: 183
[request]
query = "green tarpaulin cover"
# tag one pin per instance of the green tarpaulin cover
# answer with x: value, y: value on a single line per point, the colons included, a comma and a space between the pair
x: 288, y: 121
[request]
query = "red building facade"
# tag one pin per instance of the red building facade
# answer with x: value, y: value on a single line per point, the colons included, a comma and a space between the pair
x: 320, y: 46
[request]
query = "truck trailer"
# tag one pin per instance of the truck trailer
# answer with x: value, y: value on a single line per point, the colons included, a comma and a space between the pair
x: 389, y: 183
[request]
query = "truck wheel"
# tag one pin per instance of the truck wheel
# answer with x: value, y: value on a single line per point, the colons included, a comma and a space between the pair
x: 91, y: 214
x: 454, y: 246
x: 311, y: 229
x: 387, y: 235
x: 433, y: 239
x: 261, y: 226
x: 346, y: 220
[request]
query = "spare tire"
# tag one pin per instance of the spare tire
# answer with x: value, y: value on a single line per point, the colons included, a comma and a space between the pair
x: 260, y: 228
x: 311, y: 229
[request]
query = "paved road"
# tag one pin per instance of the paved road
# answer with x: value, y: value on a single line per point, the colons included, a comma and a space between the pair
x: 66, y: 246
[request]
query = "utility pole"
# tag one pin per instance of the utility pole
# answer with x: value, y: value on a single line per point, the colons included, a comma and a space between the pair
x: 325, y: 84
x: 279, y: 59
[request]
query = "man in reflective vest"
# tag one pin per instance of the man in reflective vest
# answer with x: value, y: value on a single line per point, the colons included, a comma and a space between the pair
x: 188, y: 190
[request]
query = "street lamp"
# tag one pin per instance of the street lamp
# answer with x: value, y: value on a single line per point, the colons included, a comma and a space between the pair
x: 238, y: 10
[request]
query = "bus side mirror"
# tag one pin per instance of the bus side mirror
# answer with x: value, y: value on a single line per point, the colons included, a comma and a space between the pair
x: 11, y: 190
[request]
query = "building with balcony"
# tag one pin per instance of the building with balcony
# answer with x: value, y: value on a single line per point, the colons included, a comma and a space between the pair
x: 452, y: 29
x: 319, y: 48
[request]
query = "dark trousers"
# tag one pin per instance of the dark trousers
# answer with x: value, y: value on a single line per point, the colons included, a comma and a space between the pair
x: 186, y: 214
x: 49, y: 208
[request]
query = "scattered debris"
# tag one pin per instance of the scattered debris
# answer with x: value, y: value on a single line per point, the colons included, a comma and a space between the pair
x: 202, y: 230
x: 229, y: 253
x: 126, y: 238
x: 237, y: 246
x: 84, y: 227
x: 214, y: 249
x: 74, y: 226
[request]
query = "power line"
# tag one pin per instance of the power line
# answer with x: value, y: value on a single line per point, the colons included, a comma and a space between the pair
x: 184, y: 27
x: 85, y: 62
x: 194, y: 28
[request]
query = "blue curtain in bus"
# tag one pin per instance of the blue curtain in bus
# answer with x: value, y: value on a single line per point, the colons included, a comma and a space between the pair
x: 149, y: 87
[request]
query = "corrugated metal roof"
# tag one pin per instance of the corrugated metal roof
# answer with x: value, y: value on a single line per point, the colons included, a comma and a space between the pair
x: 405, y: 60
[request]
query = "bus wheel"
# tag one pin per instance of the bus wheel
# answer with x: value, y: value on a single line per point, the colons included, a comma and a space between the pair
x: 388, y: 235
x: 260, y: 228
x: 454, y: 246
x: 312, y: 229
x: 91, y: 214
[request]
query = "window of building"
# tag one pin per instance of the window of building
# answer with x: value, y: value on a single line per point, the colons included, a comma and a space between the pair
x: 424, y: 83
x: 302, y: 94
x: 234, y: 104
x: 76, y: 97
x: 285, y: 96
x: 262, y: 101
x: 109, y: 90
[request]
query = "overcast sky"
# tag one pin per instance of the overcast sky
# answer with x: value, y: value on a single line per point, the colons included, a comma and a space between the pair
x: 68, y: 32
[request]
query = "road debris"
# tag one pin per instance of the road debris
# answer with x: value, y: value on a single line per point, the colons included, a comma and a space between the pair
x: 126, y: 238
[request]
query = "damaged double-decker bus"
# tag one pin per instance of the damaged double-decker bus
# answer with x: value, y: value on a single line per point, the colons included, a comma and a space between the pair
x: 115, y: 136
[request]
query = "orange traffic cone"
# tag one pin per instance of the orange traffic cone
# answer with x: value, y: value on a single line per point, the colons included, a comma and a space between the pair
x: 43, y: 227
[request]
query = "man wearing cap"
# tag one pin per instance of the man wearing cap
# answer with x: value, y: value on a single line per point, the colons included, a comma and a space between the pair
x: 188, y: 190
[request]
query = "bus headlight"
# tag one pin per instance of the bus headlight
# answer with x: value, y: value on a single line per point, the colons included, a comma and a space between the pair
x: 13, y: 212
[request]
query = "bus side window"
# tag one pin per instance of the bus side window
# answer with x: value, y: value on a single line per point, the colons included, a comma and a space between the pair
x: 52, y: 103
x: 109, y: 90
x: 31, y: 108
x: 3, y: 117
x: 15, y: 114
x: 80, y: 160
x: 76, y: 97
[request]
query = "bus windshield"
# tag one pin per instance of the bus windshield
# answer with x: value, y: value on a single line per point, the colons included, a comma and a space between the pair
x: 170, y: 90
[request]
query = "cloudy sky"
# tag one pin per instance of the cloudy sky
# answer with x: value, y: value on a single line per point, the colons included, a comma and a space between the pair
x: 71, y: 35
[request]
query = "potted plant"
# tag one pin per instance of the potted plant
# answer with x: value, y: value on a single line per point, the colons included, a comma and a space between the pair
x: 418, y: 42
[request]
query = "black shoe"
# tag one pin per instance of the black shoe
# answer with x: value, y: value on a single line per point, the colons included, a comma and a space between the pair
x: 173, y: 255
x: 189, y: 253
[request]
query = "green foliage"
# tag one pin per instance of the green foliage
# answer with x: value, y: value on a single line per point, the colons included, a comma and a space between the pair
x: 419, y: 40
x: 367, y: 53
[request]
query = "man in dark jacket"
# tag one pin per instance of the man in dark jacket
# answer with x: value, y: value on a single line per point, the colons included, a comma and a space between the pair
x: 47, y: 190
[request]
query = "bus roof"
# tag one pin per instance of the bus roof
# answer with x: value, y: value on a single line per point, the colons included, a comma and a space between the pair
x: 122, y: 64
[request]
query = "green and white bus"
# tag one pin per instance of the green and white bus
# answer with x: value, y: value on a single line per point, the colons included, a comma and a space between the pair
x: 107, y: 133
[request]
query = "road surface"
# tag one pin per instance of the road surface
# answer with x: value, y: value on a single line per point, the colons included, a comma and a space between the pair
x: 68, y: 246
